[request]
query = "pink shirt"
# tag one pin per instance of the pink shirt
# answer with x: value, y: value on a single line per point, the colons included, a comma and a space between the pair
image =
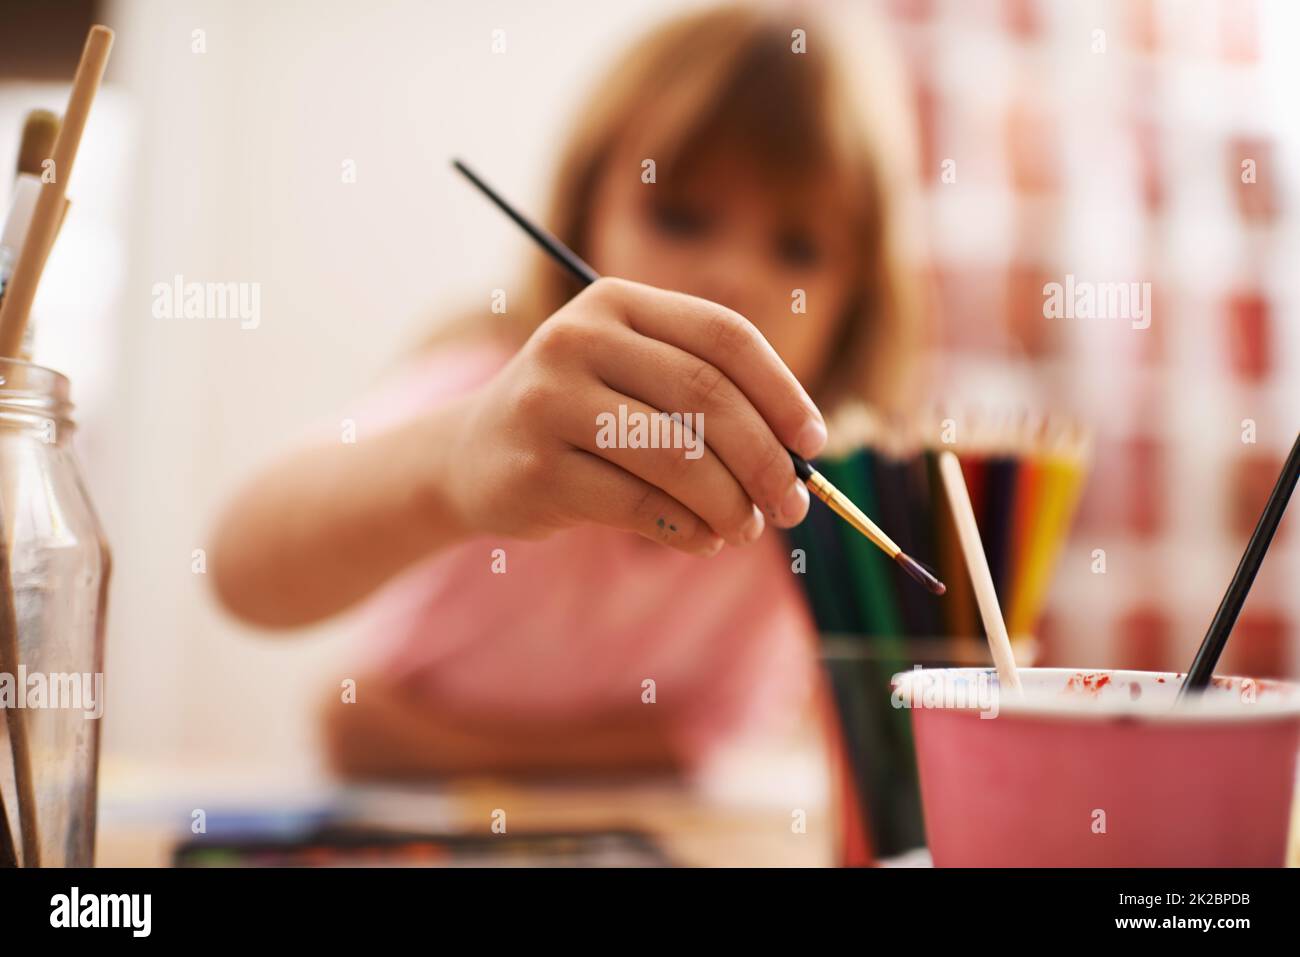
x: 580, y: 620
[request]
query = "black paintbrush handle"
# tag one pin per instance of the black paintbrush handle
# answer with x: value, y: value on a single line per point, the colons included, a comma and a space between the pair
x: 801, y: 466
x: 1198, y: 675
x: 562, y: 253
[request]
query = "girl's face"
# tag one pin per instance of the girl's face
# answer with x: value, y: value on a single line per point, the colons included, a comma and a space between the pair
x: 724, y: 237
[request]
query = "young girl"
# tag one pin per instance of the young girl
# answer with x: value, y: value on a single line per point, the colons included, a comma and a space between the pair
x: 542, y: 600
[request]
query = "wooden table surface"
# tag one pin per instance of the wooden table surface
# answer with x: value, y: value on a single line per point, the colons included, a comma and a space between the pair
x: 743, y: 814
x: 740, y: 815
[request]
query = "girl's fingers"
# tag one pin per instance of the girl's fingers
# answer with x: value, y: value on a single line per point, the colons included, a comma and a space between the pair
x: 727, y: 340
x: 666, y: 377
x: 605, y: 494
x: 667, y: 454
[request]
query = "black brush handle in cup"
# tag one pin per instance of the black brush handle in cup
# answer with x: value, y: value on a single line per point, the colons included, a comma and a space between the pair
x: 1207, y: 656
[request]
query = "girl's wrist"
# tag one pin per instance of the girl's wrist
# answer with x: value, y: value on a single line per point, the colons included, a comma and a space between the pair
x: 439, y: 503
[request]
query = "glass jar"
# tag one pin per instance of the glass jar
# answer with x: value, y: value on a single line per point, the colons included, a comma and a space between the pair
x: 54, y: 571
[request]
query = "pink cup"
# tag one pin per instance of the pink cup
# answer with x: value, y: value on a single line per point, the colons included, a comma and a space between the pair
x: 1098, y: 769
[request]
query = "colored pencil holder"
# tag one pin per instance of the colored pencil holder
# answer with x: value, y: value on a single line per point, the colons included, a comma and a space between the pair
x: 875, y: 622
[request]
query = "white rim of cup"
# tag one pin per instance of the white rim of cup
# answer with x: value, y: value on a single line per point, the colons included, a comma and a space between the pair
x: 1277, y: 698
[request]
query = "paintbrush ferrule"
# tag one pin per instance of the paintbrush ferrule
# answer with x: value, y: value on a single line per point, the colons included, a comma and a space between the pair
x: 843, y: 506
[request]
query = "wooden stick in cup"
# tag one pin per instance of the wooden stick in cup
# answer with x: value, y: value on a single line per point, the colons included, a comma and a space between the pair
x: 977, y: 564
x: 21, y: 290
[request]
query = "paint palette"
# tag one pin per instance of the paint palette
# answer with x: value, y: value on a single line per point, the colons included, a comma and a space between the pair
x: 338, y: 846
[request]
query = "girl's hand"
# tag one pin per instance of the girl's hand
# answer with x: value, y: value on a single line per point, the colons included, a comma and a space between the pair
x: 531, y: 456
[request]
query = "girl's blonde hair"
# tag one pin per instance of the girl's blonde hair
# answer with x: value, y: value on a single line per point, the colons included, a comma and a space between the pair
x: 730, y: 79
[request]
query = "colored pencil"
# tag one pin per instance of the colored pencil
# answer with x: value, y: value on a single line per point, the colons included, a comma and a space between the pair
x: 1026, y: 479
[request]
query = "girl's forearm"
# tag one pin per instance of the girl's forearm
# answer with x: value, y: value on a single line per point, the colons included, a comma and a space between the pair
x: 326, y: 527
x: 387, y: 733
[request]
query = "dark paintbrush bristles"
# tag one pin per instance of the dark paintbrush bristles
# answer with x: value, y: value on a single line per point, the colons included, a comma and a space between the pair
x: 39, y: 133
x: 922, y: 574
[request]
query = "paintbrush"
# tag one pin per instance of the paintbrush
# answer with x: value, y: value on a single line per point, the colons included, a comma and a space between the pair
x: 1207, y: 656
x: 40, y: 132
x: 49, y: 210
x: 816, y: 482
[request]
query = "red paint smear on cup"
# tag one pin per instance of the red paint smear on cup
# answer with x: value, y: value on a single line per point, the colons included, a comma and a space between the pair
x: 1087, y: 682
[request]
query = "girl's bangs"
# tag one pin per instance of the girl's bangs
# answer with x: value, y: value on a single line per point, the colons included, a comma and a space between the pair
x: 776, y: 111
